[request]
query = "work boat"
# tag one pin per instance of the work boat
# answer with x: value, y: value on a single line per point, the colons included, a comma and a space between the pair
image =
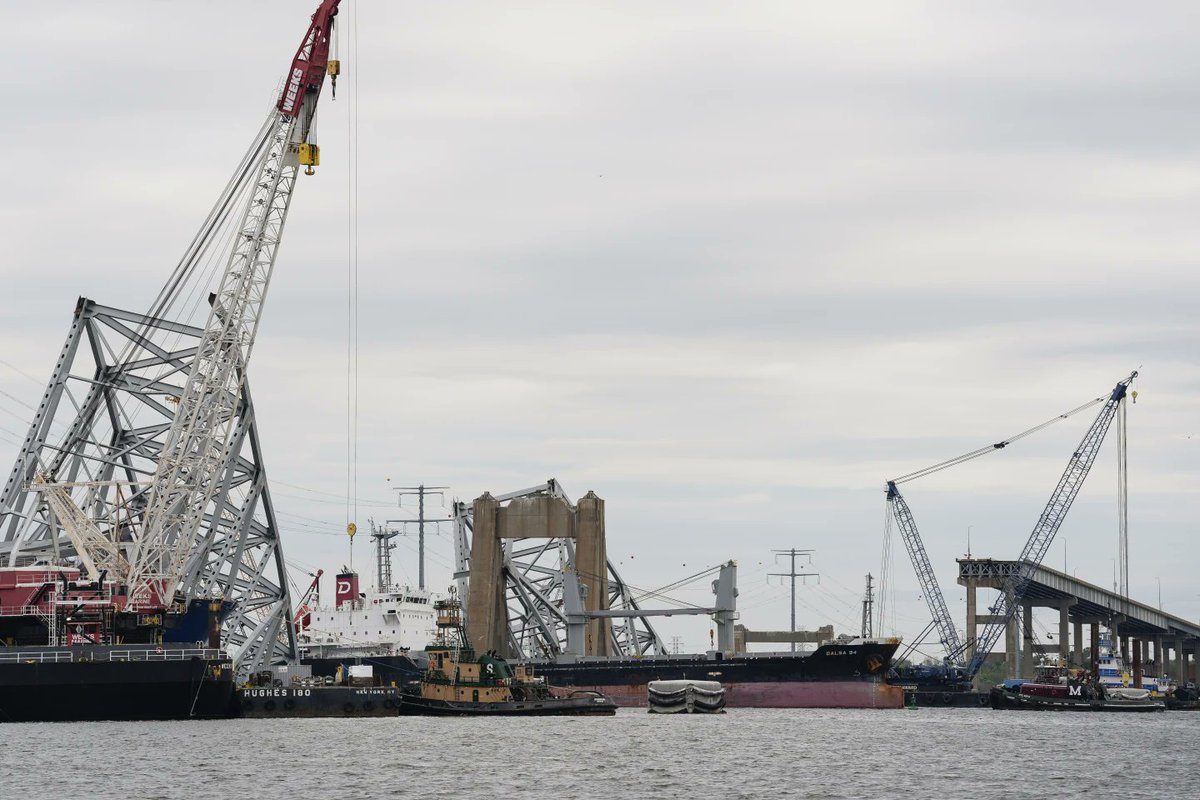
x: 1056, y: 687
x: 1115, y: 673
x: 457, y: 683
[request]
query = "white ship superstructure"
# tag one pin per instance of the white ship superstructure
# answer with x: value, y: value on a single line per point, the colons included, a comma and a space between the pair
x: 384, y: 622
x: 1115, y: 674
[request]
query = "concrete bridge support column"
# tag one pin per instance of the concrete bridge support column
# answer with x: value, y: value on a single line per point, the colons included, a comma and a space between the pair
x: 1010, y: 648
x: 1094, y: 660
x: 1027, y: 641
x: 487, y: 614
x: 1064, y: 642
x: 1136, y: 669
x: 591, y: 563
x: 972, y: 624
x: 1143, y: 652
x: 1077, y: 658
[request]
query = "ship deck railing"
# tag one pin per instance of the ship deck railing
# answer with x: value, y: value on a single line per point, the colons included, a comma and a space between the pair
x: 147, y: 654
x: 22, y: 611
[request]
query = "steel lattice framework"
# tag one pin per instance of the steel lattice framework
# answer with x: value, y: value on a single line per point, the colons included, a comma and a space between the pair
x: 99, y: 432
x: 533, y: 575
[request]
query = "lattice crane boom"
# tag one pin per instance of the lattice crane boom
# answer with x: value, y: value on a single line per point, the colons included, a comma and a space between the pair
x: 97, y: 553
x: 1051, y: 519
x: 930, y: 588
x: 198, y: 443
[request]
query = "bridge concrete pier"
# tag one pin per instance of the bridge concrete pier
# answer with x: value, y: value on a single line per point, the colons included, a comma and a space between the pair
x: 1064, y: 624
x: 1027, y: 641
x: 1077, y: 651
x: 1136, y: 670
x: 1134, y: 626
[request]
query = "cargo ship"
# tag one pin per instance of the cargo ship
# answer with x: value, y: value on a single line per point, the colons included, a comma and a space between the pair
x: 842, y: 673
x: 846, y: 674
x: 69, y: 651
x: 379, y: 627
x: 387, y: 629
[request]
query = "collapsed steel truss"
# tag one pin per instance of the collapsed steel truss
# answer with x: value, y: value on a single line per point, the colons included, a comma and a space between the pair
x: 100, y: 429
x: 533, y: 576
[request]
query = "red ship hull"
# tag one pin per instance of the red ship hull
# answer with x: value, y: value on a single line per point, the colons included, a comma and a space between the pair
x: 779, y: 694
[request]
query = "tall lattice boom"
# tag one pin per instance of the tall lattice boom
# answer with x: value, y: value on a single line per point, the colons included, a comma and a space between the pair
x: 1048, y: 524
x: 930, y: 588
x: 187, y: 475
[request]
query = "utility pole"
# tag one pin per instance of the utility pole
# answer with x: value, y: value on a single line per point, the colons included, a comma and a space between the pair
x: 868, y: 606
x: 419, y: 492
x: 792, y: 553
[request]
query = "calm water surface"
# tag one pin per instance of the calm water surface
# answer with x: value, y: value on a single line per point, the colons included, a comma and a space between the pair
x: 975, y: 754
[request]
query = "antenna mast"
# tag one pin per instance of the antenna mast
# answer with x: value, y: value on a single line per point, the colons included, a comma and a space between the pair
x: 868, y: 607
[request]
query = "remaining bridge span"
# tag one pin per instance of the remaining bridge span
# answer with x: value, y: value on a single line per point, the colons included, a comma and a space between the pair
x: 1136, y: 627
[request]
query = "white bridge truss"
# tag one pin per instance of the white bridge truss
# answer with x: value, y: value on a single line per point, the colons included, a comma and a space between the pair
x: 533, y: 576
x: 98, y: 435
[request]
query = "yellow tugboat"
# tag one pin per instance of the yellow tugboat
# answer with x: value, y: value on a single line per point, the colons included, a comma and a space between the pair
x: 457, y: 683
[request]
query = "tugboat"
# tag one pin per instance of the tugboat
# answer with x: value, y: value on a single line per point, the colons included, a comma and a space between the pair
x: 457, y: 683
x: 1059, y: 688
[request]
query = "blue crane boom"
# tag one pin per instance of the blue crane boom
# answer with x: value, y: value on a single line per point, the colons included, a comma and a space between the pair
x: 1047, y: 526
x: 925, y: 574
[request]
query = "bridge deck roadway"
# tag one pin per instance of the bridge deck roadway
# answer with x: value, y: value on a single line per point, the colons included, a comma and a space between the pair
x: 1091, y: 603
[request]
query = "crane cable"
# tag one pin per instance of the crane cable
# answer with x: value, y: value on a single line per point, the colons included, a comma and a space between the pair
x: 351, y: 280
x: 991, y: 448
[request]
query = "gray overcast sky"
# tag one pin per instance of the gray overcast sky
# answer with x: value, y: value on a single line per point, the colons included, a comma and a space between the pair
x: 729, y: 265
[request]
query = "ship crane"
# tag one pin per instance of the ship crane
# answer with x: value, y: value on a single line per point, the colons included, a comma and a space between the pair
x: 304, y: 608
x: 188, y: 470
x: 1035, y: 549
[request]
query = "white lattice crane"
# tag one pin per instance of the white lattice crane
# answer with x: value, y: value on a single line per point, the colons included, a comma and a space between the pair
x: 197, y: 445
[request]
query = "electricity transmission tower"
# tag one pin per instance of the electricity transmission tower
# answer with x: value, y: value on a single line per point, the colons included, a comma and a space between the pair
x: 792, y: 574
x: 420, y: 493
